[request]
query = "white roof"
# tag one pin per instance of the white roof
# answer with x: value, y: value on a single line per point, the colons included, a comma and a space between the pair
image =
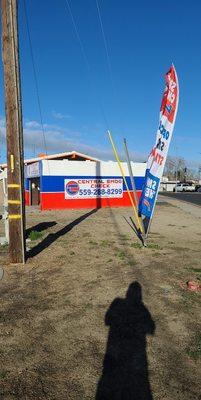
x: 55, y: 156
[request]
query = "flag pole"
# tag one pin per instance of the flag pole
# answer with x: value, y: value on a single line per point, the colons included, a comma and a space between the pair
x: 150, y: 220
x: 124, y: 179
x: 132, y: 179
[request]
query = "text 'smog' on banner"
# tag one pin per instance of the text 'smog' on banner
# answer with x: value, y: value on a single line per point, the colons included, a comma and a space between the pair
x: 93, y: 188
x: 158, y: 155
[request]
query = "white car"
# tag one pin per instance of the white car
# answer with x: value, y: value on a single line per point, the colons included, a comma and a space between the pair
x: 184, y: 187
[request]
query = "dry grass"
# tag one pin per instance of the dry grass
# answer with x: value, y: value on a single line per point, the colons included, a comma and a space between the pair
x: 53, y: 336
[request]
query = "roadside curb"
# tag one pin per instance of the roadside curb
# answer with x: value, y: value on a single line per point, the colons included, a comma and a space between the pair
x: 191, y: 208
x: 169, y: 199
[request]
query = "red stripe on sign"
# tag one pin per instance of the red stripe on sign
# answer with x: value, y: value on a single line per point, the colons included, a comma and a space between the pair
x: 57, y: 201
x: 27, y: 198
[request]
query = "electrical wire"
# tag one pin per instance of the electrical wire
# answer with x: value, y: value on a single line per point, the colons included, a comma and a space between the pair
x: 35, y: 76
x: 78, y: 35
x: 86, y: 60
x: 109, y: 64
x: 105, y: 45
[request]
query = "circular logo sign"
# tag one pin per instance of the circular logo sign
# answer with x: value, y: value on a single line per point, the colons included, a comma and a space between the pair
x: 72, y: 188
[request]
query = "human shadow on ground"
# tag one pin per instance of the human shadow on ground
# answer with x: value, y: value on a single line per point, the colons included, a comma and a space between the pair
x: 125, y: 366
x: 54, y: 236
x: 42, y: 226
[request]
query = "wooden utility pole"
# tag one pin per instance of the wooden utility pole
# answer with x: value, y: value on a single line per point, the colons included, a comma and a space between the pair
x: 14, y: 132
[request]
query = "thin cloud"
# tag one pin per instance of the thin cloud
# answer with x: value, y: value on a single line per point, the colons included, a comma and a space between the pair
x: 32, y: 124
x: 58, y: 115
x: 59, y: 140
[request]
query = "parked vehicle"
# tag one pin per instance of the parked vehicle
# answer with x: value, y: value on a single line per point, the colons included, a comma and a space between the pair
x: 184, y: 187
x: 198, y: 188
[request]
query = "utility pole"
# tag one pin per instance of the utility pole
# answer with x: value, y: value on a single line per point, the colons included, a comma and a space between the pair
x: 14, y: 132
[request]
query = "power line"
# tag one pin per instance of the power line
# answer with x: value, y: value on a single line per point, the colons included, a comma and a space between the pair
x: 78, y: 35
x: 105, y: 45
x: 86, y: 60
x: 109, y: 64
x: 35, y: 75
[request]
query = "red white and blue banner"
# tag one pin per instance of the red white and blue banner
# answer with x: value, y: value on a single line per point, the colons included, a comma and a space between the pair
x: 158, y: 155
x: 66, y: 184
x: 90, y: 188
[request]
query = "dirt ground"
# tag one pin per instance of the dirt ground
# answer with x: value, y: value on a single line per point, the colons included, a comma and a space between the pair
x: 93, y: 315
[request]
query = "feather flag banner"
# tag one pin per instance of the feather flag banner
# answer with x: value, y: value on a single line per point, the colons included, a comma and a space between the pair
x: 158, y: 154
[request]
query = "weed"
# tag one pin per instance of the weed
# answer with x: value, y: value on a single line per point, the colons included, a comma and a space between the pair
x: 121, y: 254
x: 88, y: 306
x: 189, y: 299
x: 3, y: 248
x: 93, y: 242
x: 72, y: 253
x: 153, y: 246
x: 196, y: 270
x: 156, y: 254
x: 131, y: 263
x: 35, y: 235
x: 64, y: 241
x: 3, y: 374
x: 194, y: 351
x: 67, y: 302
x: 124, y: 237
x: 110, y: 260
x: 4, y: 245
x: 136, y: 245
x: 105, y: 243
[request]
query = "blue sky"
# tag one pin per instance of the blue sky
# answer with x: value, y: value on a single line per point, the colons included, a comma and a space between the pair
x: 143, y: 39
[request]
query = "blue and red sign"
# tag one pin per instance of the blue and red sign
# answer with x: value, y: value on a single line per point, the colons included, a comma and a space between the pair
x: 72, y: 188
x: 91, y: 188
x: 150, y: 190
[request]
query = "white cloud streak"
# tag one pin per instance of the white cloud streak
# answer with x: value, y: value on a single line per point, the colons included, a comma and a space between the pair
x: 58, y: 115
x: 32, y: 125
x: 59, y: 140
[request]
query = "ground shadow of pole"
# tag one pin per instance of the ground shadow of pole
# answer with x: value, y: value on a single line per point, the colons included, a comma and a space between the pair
x: 42, y: 226
x: 54, y: 236
x: 125, y: 365
x: 135, y: 229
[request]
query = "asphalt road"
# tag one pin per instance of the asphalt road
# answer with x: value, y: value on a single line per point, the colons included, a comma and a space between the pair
x: 194, y: 197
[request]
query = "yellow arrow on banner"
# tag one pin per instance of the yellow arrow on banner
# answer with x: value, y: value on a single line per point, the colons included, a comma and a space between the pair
x: 124, y: 179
